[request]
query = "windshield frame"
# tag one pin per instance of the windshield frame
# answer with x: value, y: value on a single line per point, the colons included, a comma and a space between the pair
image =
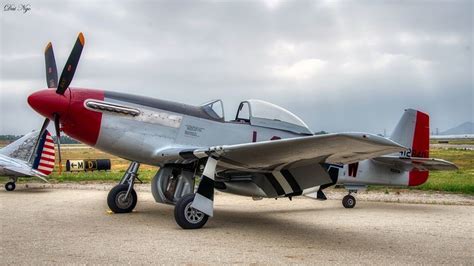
x: 207, y: 107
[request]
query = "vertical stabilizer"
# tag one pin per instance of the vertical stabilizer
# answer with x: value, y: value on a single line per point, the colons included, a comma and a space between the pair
x: 413, y: 132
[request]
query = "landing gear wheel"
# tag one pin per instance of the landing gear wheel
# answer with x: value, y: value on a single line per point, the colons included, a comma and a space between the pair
x: 117, y: 201
x: 348, y: 201
x: 10, y: 186
x: 186, y: 216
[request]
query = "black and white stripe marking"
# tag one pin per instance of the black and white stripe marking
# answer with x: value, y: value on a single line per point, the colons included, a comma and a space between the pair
x: 284, y: 183
x: 282, y: 180
x: 204, y: 199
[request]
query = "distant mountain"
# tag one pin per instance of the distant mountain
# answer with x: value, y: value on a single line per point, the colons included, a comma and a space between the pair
x: 464, y: 128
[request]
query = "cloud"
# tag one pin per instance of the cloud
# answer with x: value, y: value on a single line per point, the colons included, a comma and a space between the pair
x: 301, y: 70
x: 339, y: 65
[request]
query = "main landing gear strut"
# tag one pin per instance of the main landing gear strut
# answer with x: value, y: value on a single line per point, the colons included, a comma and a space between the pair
x: 10, y: 186
x: 122, y: 198
x: 193, y: 210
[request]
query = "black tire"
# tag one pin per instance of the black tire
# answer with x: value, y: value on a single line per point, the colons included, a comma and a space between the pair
x: 10, y: 186
x: 116, y: 202
x: 183, y: 214
x: 348, y: 201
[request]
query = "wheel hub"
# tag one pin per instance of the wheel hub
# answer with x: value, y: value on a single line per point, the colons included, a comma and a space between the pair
x: 122, y: 201
x: 192, y: 215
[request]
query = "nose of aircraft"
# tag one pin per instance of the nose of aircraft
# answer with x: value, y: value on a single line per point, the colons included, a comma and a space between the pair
x: 47, y: 102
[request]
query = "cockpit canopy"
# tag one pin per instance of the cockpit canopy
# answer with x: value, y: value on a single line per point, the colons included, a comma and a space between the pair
x: 259, y: 113
x: 265, y: 114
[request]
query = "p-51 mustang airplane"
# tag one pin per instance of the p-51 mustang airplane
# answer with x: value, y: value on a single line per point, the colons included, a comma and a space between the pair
x: 29, y: 156
x: 266, y: 151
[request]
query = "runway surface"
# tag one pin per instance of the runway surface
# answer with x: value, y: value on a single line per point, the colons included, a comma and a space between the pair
x: 56, y: 226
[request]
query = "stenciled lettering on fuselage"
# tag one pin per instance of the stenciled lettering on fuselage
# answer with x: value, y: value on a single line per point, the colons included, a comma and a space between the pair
x: 193, y: 131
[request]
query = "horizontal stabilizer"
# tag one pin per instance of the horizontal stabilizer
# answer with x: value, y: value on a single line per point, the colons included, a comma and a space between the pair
x: 410, y: 163
x: 21, y: 148
x: 23, y: 171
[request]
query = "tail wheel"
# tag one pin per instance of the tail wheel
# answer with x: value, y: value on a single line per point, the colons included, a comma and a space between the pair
x: 348, y: 201
x: 186, y: 216
x: 118, y: 200
x: 10, y: 186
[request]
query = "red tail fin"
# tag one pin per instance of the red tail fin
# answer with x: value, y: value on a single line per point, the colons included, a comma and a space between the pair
x: 421, y: 137
x: 420, y: 147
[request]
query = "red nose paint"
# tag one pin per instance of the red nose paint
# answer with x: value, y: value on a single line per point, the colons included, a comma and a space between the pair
x: 76, y: 121
x: 81, y: 123
x: 47, y: 102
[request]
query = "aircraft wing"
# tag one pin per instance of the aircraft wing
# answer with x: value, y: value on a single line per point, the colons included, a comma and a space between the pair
x: 22, y: 171
x: 410, y: 163
x: 342, y: 148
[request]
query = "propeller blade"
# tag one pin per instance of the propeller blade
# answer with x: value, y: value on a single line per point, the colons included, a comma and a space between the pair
x: 51, y: 70
x: 58, y: 138
x: 43, y: 129
x: 71, y: 65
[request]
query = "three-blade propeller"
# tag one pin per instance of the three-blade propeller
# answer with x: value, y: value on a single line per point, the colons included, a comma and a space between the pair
x: 64, y: 81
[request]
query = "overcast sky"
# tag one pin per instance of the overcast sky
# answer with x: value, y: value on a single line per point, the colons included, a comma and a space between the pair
x: 339, y: 65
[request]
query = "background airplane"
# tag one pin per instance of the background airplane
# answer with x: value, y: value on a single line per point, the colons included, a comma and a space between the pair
x: 408, y: 168
x: 265, y: 151
x: 29, y: 156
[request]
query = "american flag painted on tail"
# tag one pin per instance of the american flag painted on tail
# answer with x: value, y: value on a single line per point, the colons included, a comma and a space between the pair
x: 45, y: 155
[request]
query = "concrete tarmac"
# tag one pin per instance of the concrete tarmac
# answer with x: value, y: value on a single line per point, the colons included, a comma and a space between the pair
x: 57, y: 226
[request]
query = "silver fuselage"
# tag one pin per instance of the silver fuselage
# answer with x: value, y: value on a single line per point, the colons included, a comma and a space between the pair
x: 147, y: 137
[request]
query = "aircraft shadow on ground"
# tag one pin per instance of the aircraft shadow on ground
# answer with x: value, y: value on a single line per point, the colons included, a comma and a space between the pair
x: 397, y: 207
x: 270, y: 228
